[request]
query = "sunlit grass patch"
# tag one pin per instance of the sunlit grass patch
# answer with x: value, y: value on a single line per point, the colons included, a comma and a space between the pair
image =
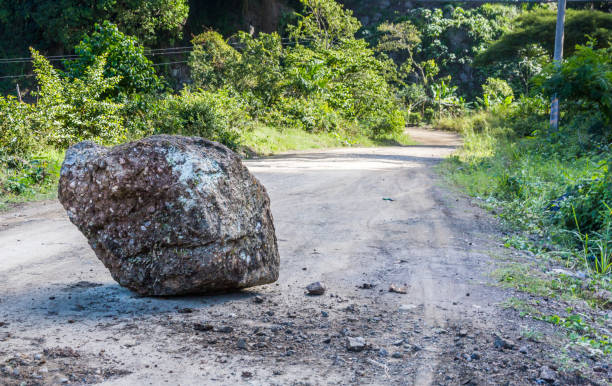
x: 265, y: 140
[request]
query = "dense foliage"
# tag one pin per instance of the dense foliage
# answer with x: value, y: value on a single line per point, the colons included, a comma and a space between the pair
x: 125, y: 59
x: 556, y: 184
x: 538, y: 27
x: 323, y: 80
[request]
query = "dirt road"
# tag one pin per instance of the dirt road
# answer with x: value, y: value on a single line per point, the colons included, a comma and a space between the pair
x: 359, y: 220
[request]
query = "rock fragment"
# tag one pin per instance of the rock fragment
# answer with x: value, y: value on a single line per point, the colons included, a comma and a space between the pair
x: 502, y: 344
x: 397, y: 289
x: 355, y: 344
x: 547, y: 374
x: 316, y: 288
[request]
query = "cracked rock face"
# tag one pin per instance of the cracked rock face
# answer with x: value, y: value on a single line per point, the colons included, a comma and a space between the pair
x: 171, y: 215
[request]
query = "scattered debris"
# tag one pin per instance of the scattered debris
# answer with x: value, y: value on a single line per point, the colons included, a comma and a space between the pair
x: 242, y: 344
x: 59, y: 352
x: 366, y: 286
x: 203, y: 327
x: 82, y: 285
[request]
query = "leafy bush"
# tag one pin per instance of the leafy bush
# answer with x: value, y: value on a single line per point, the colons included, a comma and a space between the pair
x: 583, y: 82
x: 72, y: 110
x: 57, y: 26
x: 496, y: 92
x: 311, y: 114
x: 259, y: 73
x: 211, y: 60
x: 452, y: 38
x: 583, y: 205
x: 125, y: 59
x: 414, y: 118
x: 325, y: 78
x: 215, y: 115
x: 16, y: 133
x: 325, y: 23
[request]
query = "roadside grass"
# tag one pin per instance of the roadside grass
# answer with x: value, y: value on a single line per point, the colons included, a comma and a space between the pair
x: 265, y: 140
x: 521, y: 179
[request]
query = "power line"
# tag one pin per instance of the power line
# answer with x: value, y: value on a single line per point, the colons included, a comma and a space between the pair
x: 16, y: 76
x: 167, y: 63
x: 161, y: 51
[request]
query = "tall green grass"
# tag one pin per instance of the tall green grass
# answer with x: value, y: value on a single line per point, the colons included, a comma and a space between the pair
x: 523, y: 178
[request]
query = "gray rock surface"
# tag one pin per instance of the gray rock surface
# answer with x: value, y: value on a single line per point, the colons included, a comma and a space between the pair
x: 171, y: 215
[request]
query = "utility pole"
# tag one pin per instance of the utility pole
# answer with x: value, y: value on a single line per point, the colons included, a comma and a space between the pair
x: 554, y: 105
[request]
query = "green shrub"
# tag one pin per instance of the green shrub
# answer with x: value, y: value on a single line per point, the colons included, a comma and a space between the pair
x: 259, y: 74
x: 310, y: 114
x: 429, y: 114
x: 214, y: 115
x: 414, y: 118
x: 583, y: 82
x: 17, y: 136
x: 125, y: 59
x: 211, y: 60
x: 496, y: 92
x: 583, y: 204
x: 325, y: 23
x: 325, y: 79
x: 73, y: 110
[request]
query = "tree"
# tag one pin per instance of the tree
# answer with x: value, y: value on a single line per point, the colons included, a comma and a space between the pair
x: 325, y: 22
x: 211, y: 60
x: 58, y: 25
x: 125, y: 58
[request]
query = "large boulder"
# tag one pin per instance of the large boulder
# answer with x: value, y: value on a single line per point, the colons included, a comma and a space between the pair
x: 170, y: 215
